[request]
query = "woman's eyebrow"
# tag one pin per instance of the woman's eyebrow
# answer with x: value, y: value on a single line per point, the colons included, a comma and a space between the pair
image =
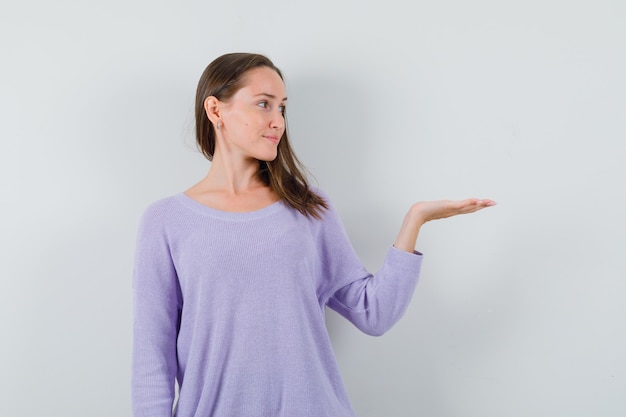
x: 268, y: 95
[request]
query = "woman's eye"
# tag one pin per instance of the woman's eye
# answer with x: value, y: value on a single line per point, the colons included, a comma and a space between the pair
x: 266, y: 105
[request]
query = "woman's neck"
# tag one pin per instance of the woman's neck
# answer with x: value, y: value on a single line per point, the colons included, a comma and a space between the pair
x: 229, y: 187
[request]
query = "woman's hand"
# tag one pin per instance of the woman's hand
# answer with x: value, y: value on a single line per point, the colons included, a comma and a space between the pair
x: 426, y: 211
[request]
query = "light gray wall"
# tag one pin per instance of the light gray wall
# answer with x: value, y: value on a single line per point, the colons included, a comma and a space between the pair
x: 520, y: 311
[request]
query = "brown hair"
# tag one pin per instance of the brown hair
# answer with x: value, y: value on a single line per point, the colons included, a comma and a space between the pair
x: 285, y: 175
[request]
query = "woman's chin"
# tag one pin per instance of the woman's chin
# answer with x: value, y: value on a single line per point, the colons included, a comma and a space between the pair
x: 268, y: 158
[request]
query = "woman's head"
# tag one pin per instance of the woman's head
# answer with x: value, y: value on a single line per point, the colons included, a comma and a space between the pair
x: 222, y: 79
x: 282, y: 172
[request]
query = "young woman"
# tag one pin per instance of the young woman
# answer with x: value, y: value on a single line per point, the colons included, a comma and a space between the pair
x: 232, y: 276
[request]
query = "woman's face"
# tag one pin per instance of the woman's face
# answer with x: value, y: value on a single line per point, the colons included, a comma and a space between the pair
x: 252, y: 121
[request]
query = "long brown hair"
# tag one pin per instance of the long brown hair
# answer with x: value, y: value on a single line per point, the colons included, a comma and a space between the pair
x: 285, y: 175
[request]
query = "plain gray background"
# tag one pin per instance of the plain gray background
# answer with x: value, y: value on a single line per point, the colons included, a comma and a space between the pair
x: 521, y: 308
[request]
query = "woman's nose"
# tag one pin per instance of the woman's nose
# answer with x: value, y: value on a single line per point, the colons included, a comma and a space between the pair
x: 278, y: 120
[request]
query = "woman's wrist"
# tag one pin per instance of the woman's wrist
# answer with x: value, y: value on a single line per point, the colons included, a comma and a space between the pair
x: 407, y: 237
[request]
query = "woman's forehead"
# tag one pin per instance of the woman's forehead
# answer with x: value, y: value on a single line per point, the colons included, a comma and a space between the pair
x: 264, y: 81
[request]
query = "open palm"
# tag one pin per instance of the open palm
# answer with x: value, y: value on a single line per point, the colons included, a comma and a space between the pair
x: 433, y: 210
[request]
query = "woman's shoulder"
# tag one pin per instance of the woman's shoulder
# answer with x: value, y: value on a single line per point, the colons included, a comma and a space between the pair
x: 323, y: 194
x: 163, y: 203
x: 329, y: 215
x: 161, y: 209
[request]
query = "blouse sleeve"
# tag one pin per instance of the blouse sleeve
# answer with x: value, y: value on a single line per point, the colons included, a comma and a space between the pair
x: 375, y: 302
x: 156, y: 309
x: 372, y: 302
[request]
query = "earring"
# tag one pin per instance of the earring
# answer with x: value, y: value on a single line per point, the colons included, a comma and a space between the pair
x: 219, y: 124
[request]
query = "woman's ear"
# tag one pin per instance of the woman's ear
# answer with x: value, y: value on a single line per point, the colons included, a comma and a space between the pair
x: 212, y: 109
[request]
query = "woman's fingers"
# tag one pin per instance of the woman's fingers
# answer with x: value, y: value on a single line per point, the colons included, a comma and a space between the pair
x: 473, y: 204
x: 433, y: 210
